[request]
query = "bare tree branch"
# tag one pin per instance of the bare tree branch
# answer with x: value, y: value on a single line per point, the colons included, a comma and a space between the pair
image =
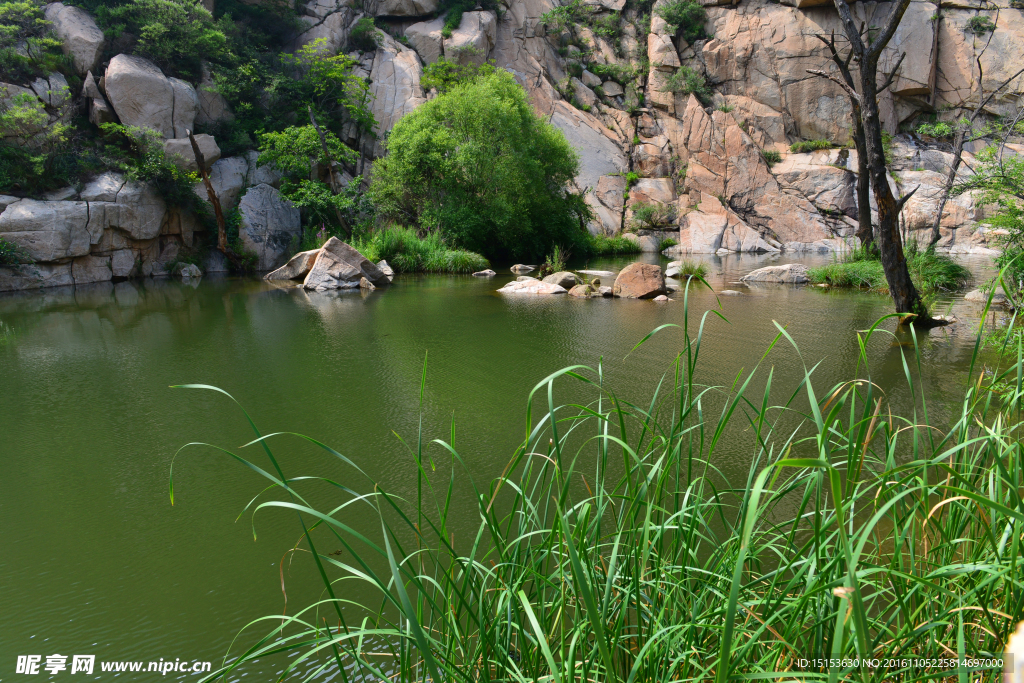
x: 892, y: 74
x: 842, y: 84
x: 892, y: 22
x: 905, y: 198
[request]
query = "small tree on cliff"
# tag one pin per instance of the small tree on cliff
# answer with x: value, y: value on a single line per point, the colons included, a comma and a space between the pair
x: 478, y: 165
x: 865, y: 96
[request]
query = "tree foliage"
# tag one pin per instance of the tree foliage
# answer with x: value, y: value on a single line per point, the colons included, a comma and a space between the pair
x: 479, y: 166
x: 27, y: 47
x: 686, y: 18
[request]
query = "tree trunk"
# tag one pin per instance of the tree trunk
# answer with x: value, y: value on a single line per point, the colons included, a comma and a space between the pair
x: 865, y: 232
x: 890, y: 243
x: 222, y: 233
x: 330, y: 170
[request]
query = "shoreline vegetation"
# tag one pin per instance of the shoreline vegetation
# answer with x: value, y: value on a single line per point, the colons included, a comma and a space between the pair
x: 930, y: 271
x: 613, y: 548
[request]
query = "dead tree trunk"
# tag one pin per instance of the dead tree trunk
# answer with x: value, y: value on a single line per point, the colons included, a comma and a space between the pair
x: 890, y: 244
x: 865, y: 232
x: 222, y: 232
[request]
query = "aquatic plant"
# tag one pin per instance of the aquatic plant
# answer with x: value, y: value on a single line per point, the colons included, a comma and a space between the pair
x: 613, y: 548
x: 931, y: 271
x: 406, y: 251
x: 600, y: 245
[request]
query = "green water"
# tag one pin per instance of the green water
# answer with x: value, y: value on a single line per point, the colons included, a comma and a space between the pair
x: 95, y: 560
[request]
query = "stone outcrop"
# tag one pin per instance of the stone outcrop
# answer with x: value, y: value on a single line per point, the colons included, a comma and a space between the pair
x: 142, y: 96
x: 400, y: 8
x: 394, y: 88
x: 473, y: 40
x: 297, y: 268
x: 563, y: 279
x: 80, y: 37
x: 639, y: 281
x: 213, y: 108
x: 339, y: 266
x: 271, y: 225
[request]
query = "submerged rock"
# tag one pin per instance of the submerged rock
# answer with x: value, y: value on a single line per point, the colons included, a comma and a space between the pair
x: 980, y: 297
x: 520, y: 269
x: 639, y: 281
x: 484, y: 273
x: 790, y: 273
x: 532, y: 286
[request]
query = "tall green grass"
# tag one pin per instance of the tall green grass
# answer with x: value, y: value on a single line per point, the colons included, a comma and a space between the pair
x: 407, y: 252
x: 601, y: 245
x: 931, y: 271
x: 613, y: 548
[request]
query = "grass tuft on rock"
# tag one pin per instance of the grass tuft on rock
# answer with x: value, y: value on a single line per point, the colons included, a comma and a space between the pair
x: 931, y: 271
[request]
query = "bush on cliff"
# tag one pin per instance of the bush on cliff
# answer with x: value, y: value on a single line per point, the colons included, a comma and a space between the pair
x: 477, y: 165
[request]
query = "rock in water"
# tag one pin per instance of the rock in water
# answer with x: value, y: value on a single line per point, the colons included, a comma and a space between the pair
x: 189, y: 271
x: 581, y: 291
x: 790, y: 273
x: 296, y: 268
x: 605, y: 291
x: 729, y: 292
x: 563, y: 278
x: 520, y: 269
x: 639, y: 281
x: 526, y: 278
x: 387, y: 270
x: 339, y: 266
x: 484, y: 273
x: 662, y: 297
x: 532, y: 286
x: 980, y: 297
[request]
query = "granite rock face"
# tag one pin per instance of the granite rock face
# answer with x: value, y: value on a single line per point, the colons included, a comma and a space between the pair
x: 271, y: 225
x: 143, y: 96
x: 80, y: 37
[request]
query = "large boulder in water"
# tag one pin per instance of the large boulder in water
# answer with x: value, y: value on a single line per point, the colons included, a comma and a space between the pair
x: 788, y: 274
x: 563, y: 278
x: 270, y: 225
x: 297, y: 267
x: 339, y: 266
x: 639, y: 281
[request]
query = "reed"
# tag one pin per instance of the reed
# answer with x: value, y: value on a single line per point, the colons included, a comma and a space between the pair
x: 613, y: 549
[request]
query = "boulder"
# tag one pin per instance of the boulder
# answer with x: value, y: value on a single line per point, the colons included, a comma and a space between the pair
x: 662, y: 297
x: 297, y: 268
x: 597, y: 273
x: 980, y: 297
x: 473, y: 40
x: 590, y: 80
x: 52, y: 90
x: 639, y: 281
x: 605, y: 291
x: 142, y: 96
x: 563, y: 279
x: 520, y: 269
x: 103, y: 188
x: 261, y: 174
x: 50, y: 231
x: 137, y: 210
x: 123, y: 263
x: 80, y: 37
x: 228, y: 177
x: 584, y: 94
x: 189, y: 271
x: 180, y: 152
x: 100, y: 112
x: 611, y: 89
x: 729, y: 292
x: 332, y: 28
x: 790, y: 273
x: 388, y: 271
x: 339, y: 266
x: 532, y: 287
x: 270, y: 225
x: 426, y: 38
x: 400, y: 8
x: 35, y: 276
x: 581, y: 291
x: 484, y: 273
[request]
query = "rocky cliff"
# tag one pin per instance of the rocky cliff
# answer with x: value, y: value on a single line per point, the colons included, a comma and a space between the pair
x: 609, y: 81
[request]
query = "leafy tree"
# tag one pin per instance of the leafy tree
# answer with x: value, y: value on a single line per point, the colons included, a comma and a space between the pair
x: 479, y: 166
x: 688, y: 82
x: 444, y: 74
x: 174, y: 34
x: 27, y: 48
x: 327, y: 82
x: 685, y: 17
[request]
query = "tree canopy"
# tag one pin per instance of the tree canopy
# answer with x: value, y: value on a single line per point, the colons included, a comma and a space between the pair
x: 479, y: 166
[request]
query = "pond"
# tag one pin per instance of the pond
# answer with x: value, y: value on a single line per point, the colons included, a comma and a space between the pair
x: 94, y: 558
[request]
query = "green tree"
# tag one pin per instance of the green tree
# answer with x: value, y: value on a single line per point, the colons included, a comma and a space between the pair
x: 479, y: 166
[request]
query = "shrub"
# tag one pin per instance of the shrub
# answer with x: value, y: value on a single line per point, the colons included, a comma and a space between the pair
x: 11, y: 254
x: 478, y: 165
x: 938, y: 129
x: 651, y: 215
x: 666, y: 243
x: 771, y: 157
x: 688, y: 82
x: 444, y: 74
x: 139, y: 154
x: 26, y: 47
x: 689, y: 268
x: 725, y: 107
x: 809, y: 146
x: 685, y: 17
x: 554, y: 262
x: 979, y: 25
x: 363, y: 35
x: 175, y: 34
x: 601, y: 245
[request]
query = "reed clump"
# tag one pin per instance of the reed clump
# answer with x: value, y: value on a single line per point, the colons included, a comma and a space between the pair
x: 612, y: 548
